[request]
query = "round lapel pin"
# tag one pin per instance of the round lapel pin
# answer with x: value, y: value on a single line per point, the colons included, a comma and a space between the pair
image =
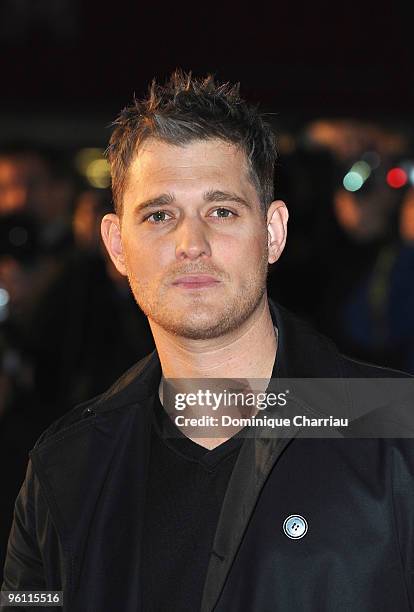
x: 295, y: 526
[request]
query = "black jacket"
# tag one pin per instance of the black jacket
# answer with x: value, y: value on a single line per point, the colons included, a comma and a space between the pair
x: 79, y: 514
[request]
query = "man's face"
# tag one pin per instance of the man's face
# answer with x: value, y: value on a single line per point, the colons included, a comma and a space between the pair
x: 191, y: 211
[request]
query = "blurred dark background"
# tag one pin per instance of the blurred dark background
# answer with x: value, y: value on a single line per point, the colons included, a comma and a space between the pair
x: 337, y: 84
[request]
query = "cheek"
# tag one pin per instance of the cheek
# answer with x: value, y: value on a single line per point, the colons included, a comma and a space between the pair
x: 241, y: 255
x: 146, y: 260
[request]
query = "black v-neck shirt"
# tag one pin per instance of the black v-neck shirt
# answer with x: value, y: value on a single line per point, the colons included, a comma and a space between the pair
x: 185, y: 491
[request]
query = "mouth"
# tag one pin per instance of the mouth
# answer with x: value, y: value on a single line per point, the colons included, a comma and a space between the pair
x: 193, y: 281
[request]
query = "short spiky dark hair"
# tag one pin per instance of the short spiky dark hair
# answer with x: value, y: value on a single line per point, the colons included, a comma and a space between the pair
x: 186, y: 109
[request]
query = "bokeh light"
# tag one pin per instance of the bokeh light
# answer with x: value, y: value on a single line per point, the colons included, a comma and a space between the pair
x: 91, y: 163
x: 362, y: 168
x: 98, y: 173
x: 353, y: 181
x: 4, y: 297
x: 396, y: 178
x: 4, y: 304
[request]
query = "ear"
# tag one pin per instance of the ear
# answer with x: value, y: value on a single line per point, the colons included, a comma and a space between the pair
x: 111, y: 235
x: 277, y: 218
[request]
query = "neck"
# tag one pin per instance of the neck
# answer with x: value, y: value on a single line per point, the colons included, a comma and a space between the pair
x: 248, y: 352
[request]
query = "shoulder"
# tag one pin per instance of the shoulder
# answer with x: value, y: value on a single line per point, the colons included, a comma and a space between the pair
x: 309, y: 353
x: 354, y: 368
x: 128, y: 387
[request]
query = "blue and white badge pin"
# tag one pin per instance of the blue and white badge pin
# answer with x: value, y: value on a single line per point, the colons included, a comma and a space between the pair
x: 295, y: 526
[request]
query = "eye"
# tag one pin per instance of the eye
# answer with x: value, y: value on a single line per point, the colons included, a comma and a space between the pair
x: 225, y: 216
x: 157, y: 217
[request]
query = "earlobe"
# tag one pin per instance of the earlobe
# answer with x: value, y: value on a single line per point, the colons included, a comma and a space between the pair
x: 277, y: 218
x: 111, y: 236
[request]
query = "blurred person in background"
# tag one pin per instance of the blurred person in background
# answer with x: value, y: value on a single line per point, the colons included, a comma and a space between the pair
x: 36, y: 198
x: 18, y: 243
x: 38, y: 183
x: 366, y: 300
x: 374, y: 315
x: 88, y: 308
x: 35, y: 212
x: 21, y: 414
x: 90, y: 204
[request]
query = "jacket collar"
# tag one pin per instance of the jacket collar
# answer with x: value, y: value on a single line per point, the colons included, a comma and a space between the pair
x: 302, y: 352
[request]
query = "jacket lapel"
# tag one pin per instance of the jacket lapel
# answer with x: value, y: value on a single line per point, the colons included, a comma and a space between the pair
x: 297, y: 356
x: 255, y: 461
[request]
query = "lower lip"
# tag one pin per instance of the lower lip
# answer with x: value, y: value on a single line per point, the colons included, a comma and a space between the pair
x: 201, y: 285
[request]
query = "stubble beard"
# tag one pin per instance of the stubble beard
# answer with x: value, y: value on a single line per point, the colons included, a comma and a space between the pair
x: 202, y: 318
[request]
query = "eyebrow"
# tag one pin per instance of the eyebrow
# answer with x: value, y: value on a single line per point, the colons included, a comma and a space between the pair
x: 216, y: 195
x: 162, y: 200
x: 213, y: 195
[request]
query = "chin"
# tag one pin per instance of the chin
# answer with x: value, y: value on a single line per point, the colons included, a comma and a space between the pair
x: 203, y: 327
x: 194, y: 329
x: 202, y: 316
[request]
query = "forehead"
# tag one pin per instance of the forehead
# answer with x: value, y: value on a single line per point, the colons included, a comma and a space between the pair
x: 159, y: 165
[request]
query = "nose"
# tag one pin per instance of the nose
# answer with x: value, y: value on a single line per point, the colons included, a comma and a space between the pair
x: 192, y: 241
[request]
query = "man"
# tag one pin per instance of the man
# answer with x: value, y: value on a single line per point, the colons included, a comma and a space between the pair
x: 120, y: 507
